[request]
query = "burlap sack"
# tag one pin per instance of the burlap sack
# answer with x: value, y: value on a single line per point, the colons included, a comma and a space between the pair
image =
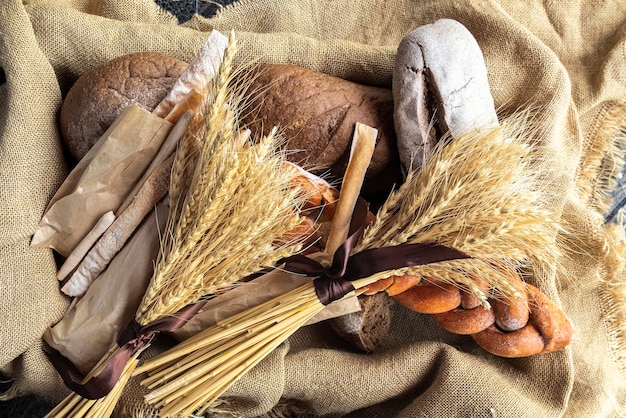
x: 563, y: 60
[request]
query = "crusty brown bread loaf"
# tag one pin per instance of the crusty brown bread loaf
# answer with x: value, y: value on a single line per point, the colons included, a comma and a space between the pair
x: 366, y: 329
x: 317, y: 113
x: 99, y: 95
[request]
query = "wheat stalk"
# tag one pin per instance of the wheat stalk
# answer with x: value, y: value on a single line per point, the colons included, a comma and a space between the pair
x: 184, y: 160
x: 204, y: 180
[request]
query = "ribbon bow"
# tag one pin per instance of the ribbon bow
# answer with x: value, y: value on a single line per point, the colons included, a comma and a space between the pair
x: 335, y: 281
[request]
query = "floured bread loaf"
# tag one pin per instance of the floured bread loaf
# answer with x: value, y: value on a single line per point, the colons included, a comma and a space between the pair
x: 98, y: 96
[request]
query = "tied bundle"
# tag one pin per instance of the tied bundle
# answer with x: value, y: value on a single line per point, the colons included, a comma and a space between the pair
x: 476, y: 216
x: 233, y: 207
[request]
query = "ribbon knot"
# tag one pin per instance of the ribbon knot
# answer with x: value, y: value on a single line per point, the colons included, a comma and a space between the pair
x: 335, y: 281
x: 133, y: 336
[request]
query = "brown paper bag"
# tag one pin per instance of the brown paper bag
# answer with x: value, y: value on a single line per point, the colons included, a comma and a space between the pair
x: 102, y: 179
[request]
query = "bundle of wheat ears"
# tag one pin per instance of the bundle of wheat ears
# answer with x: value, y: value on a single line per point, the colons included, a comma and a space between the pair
x: 485, y: 196
x: 232, y: 202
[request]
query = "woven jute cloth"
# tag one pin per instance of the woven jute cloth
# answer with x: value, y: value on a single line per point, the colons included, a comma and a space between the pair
x: 561, y: 61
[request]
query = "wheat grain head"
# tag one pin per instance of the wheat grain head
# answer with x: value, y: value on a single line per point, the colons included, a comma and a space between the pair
x: 238, y: 200
x: 486, y: 194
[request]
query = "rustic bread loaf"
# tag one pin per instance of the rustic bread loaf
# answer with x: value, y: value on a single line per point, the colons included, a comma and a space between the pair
x: 317, y: 113
x: 99, y: 95
x: 440, y: 86
x: 367, y: 329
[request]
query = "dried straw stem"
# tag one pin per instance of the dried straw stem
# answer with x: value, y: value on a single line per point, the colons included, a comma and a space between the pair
x: 196, y: 372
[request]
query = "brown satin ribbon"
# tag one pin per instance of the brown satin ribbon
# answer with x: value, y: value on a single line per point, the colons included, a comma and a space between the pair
x: 335, y: 281
x: 133, y: 338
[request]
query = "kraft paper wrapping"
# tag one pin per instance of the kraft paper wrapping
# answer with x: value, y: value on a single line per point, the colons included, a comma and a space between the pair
x: 102, y: 179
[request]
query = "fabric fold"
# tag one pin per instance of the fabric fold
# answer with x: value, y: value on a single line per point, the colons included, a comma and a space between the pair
x: 545, y: 58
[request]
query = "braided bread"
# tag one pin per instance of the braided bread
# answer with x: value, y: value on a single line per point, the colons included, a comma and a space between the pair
x: 515, y: 326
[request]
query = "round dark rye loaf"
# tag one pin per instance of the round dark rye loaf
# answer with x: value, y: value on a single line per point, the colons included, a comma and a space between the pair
x: 98, y: 96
